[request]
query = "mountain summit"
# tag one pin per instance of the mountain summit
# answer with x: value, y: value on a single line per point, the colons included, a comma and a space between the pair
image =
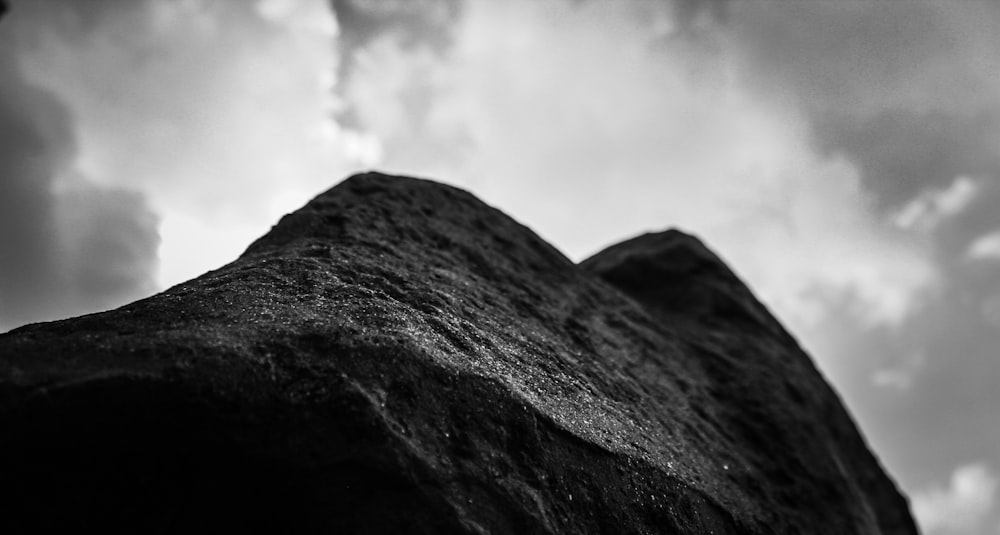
x: 399, y: 357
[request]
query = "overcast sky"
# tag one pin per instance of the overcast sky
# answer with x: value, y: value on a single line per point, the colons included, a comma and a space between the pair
x: 843, y: 156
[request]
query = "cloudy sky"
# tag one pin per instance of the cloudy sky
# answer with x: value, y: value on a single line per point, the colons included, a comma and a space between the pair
x: 843, y: 156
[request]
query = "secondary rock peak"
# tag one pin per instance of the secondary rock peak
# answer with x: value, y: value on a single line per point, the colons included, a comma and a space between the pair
x: 675, y: 273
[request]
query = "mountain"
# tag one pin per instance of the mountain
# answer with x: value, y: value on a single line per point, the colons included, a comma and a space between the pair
x: 399, y: 357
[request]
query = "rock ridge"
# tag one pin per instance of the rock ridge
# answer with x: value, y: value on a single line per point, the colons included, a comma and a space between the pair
x: 399, y: 356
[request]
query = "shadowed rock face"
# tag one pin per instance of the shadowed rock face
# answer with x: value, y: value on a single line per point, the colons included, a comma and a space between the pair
x: 397, y: 356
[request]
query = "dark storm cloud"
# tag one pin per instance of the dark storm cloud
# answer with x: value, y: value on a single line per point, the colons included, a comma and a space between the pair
x: 109, y: 242
x: 33, y: 145
x: 906, y: 90
x: 903, y: 152
x: 66, y: 245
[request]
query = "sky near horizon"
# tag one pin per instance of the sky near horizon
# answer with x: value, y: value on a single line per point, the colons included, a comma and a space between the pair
x: 842, y: 156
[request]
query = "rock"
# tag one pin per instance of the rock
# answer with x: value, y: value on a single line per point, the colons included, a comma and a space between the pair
x: 397, y: 356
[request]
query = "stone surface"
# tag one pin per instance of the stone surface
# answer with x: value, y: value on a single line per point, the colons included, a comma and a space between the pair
x: 397, y: 356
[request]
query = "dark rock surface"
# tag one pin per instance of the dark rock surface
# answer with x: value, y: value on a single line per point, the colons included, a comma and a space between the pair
x: 398, y: 357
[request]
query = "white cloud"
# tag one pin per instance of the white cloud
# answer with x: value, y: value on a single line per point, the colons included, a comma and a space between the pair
x: 901, y: 374
x: 892, y: 378
x: 307, y: 16
x: 962, y: 506
x: 189, y: 247
x: 986, y: 247
x: 931, y: 208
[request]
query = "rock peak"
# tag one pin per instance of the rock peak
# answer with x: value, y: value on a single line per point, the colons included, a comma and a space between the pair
x: 398, y: 356
x: 414, y: 213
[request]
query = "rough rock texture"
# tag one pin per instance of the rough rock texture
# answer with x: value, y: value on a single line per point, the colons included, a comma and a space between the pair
x: 397, y: 356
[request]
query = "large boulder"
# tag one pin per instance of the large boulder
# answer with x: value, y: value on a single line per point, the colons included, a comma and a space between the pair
x: 399, y: 357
